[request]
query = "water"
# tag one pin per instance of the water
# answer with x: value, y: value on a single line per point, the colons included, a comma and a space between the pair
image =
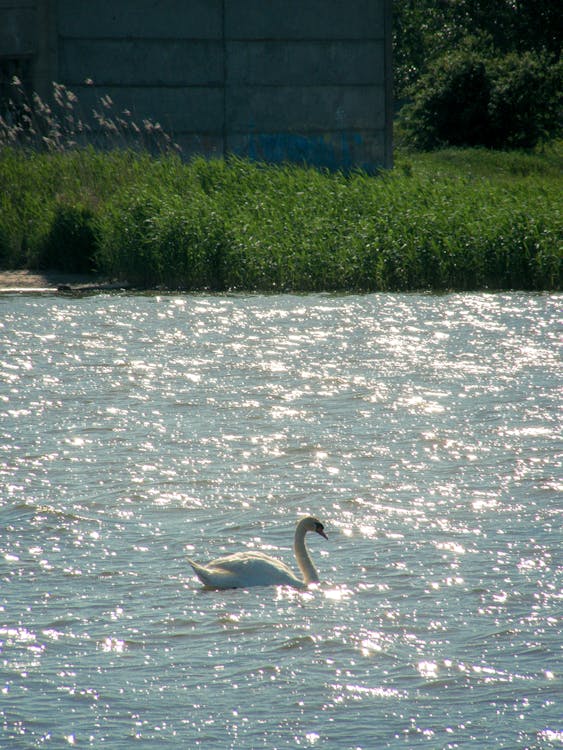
x: 423, y: 430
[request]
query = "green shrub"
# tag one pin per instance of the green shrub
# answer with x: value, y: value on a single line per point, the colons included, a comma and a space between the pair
x: 70, y: 244
x: 525, y: 105
x: 469, y: 98
x: 450, y: 104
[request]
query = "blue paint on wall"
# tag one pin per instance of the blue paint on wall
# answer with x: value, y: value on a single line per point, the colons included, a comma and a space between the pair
x: 337, y: 151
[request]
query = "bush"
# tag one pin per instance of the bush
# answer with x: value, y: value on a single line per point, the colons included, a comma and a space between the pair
x: 525, y: 102
x: 70, y: 244
x: 450, y: 104
x: 470, y: 99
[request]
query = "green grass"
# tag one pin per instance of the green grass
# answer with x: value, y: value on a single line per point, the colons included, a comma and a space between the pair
x: 456, y: 219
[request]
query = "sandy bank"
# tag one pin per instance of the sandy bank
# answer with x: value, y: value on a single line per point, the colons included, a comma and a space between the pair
x: 53, y: 281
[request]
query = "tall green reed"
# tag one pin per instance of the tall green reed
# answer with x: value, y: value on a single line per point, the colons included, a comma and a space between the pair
x: 239, y: 225
x: 460, y: 219
x: 47, y: 206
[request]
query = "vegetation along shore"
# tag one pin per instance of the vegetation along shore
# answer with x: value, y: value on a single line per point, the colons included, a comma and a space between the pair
x: 474, y: 200
x: 452, y: 219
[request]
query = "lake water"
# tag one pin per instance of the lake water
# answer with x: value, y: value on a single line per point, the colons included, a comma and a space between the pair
x: 424, y: 431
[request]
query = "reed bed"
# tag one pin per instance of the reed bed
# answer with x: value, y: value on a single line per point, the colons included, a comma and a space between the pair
x: 434, y: 222
x: 457, y: 219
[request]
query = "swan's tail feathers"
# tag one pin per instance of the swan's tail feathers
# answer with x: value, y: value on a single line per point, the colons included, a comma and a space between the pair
x: 201, y: 572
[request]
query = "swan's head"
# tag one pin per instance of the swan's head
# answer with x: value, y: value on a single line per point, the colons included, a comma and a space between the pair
x: 313, y: 524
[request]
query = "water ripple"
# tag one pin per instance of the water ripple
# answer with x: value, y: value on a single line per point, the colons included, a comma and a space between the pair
x: 423, y: 430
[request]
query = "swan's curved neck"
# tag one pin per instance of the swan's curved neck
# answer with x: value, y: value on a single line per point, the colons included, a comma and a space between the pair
x: 305, y: 563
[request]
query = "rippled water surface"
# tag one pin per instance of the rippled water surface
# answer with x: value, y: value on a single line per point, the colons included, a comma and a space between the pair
x: 423, y: 430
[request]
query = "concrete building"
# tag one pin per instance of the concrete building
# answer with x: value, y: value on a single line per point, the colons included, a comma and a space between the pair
x: 277, y: 80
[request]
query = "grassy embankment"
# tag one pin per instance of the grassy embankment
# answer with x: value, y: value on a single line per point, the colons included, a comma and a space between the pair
x: 459, y: 219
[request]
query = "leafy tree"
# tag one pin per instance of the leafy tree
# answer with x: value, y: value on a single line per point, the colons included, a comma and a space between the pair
x: 525, y: 101
x: 467, y: 98
x: 478, y: 72
x: 426, y: 29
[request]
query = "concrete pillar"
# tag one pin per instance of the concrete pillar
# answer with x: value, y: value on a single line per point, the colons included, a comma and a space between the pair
x: 45, y: 62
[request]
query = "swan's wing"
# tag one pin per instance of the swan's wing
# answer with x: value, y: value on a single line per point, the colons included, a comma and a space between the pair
x: 214, y: 578
x: 245, y: 569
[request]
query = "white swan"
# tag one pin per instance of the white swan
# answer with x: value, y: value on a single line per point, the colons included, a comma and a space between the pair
x: 245, y: 569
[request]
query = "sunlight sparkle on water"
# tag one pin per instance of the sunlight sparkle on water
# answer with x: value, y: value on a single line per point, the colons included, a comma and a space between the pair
x: 428, y: 669
x: 422, y: 430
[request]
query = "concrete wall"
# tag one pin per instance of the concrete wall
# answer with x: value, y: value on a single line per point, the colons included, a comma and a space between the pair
x: 298, y: 80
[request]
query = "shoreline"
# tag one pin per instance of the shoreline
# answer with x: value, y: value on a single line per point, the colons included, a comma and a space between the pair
x: 47, y: 282
x: 451, y: 220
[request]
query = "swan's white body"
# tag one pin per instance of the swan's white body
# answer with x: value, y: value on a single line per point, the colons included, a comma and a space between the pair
x: 245, y: 569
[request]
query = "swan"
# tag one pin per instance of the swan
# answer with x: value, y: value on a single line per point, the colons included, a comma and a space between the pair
x: 244, y: 569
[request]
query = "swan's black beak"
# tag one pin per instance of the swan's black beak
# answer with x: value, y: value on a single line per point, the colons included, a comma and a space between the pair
x: 320, y: 530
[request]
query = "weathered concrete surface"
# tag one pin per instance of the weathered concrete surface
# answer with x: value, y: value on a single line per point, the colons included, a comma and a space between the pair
x: 17, y: 28
x: 297, y: 80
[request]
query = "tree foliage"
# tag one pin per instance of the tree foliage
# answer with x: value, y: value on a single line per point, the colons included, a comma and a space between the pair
x: 478, y: 72
x: 426, y: 29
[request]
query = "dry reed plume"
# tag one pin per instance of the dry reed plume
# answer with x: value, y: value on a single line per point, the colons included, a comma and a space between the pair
x: 59, y: 125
